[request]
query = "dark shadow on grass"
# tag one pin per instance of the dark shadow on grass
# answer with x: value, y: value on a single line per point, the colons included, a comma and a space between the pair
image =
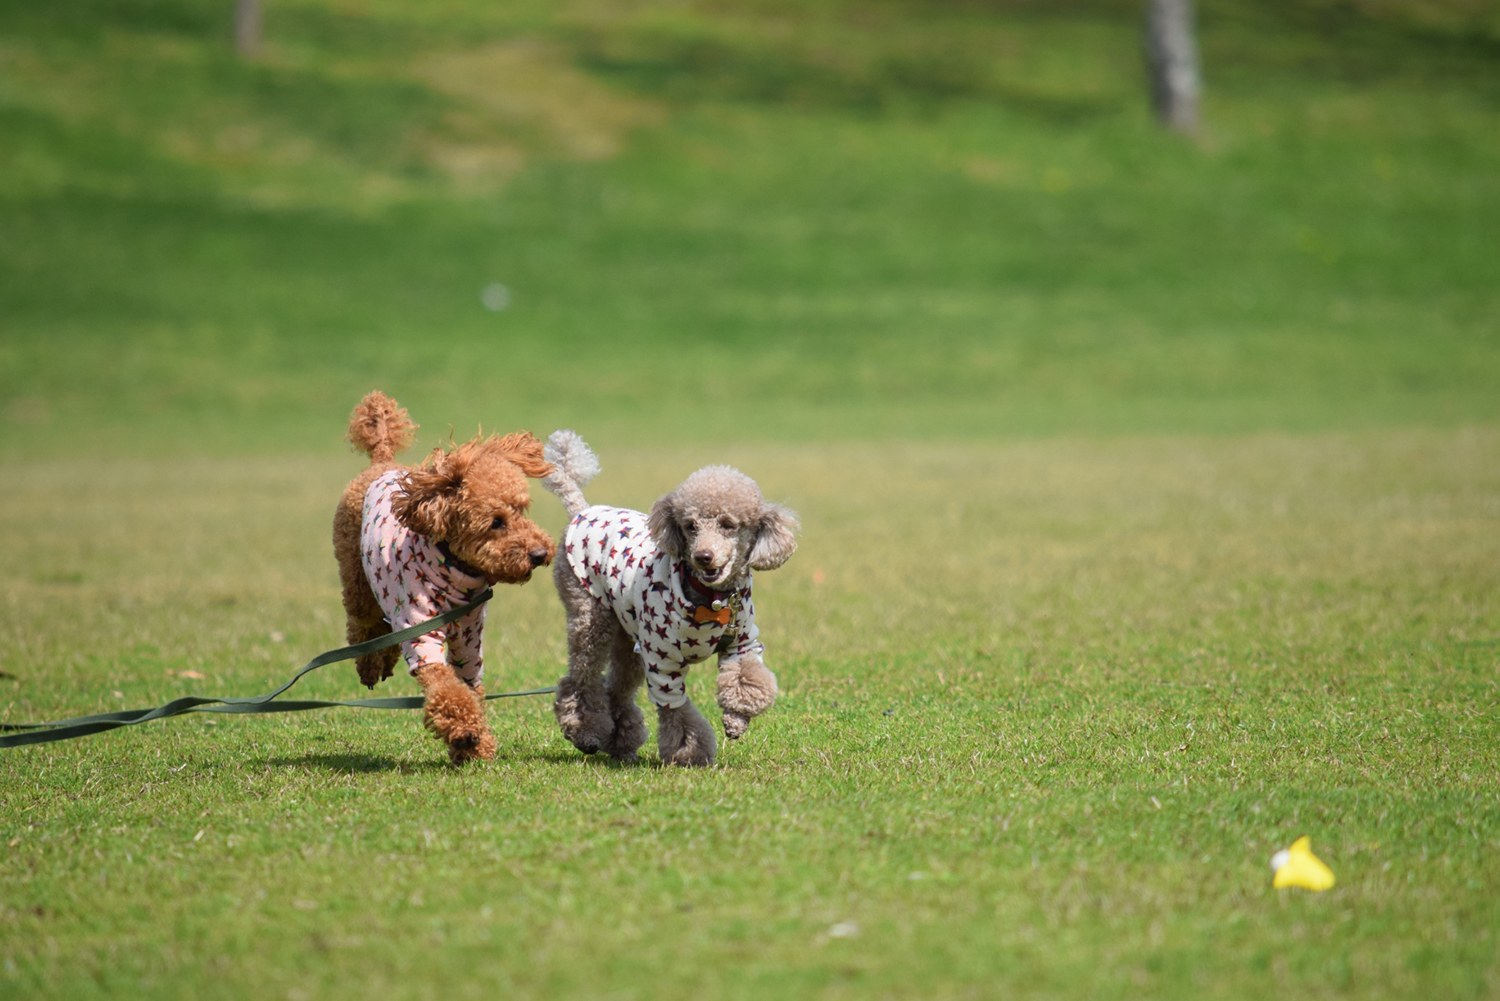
x: 568, y: 756
x: 350, y: 763
x: 344, y: 764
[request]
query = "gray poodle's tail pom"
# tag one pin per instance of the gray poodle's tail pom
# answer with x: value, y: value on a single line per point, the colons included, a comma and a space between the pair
x: 574, y: 464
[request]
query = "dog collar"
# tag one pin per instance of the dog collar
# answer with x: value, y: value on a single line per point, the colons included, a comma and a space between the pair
x: 466, y: 569
x: 708, y: 605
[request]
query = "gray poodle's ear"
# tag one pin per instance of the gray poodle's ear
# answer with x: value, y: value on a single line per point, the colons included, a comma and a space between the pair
x: 774, y: 541
x: 665, y: 531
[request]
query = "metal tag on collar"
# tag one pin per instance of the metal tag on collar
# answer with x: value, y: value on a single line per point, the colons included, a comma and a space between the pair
x: 717, y: 604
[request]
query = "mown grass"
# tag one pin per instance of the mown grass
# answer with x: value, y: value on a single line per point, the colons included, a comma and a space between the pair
x: 1048, y: 709
x: 1149, y: 492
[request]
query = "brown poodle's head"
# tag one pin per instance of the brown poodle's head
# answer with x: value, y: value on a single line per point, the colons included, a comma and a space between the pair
x: 720, y: 526
x: 474, y: 498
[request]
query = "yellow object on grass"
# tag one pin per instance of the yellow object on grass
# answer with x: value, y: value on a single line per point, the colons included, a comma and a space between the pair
x: 1298, y: 866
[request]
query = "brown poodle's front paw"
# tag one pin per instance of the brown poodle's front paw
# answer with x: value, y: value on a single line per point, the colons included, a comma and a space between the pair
x: 466, y: 738
x: 469, y: 747
x: 455, y: 715
x: 735, y: 724
x: 582, y: 717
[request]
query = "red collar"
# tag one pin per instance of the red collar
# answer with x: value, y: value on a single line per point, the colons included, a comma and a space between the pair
x: 700, y: 589
x: 703, y: 598
x: 692, y: 588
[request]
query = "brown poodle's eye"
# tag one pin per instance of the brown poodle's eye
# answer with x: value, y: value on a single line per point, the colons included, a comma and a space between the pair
x: 497, y: 524
x: 690, y: 525
x: 727, y: 524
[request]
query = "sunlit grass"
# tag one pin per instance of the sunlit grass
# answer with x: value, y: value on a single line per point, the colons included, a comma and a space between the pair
x: 1047, y: 710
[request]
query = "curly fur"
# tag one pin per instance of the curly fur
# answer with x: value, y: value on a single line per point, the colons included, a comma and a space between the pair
x: 717, y: 523
x: 472, y: 497
x: 574, y: 464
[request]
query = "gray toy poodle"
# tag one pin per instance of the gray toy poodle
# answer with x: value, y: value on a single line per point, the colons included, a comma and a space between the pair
x: 648, y: 595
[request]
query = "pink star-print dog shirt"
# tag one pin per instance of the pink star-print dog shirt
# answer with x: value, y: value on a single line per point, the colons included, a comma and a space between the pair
x: 611, y: 552
x: 413, y: 581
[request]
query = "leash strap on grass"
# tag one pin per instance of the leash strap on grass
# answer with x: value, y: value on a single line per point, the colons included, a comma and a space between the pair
x: 82, y: 726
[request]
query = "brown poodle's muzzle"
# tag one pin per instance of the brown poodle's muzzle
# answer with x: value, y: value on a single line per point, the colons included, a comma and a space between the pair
x: 509, y: 556
x: 538, y: 557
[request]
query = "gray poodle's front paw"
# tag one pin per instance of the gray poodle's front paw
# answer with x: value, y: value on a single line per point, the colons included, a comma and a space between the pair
x: 735, y: 724
x: 746, y: 689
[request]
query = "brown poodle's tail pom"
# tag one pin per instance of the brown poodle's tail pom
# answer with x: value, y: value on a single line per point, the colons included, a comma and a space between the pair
x: 380, y: 428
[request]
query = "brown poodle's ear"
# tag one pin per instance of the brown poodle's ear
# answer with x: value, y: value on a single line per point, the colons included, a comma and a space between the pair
x: 427, y: 495
x: 774, y: 541
x: 525, y: 451
x: 665, y: 531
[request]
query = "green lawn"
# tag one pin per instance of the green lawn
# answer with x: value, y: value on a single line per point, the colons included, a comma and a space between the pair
x: 1150, y: 491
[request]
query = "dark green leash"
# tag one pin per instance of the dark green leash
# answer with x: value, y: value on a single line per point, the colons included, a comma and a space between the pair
x: 82, y: 726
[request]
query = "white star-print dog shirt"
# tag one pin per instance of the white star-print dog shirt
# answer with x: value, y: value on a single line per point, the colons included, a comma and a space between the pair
x: 413, y: 581
x: 611, y: 552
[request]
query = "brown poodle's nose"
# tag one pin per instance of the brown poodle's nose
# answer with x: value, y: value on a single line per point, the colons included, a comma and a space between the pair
x: 537, y: 557
x: 703, y: 557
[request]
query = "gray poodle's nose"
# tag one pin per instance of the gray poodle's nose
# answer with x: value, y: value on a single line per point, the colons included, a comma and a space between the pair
x: 537, y: 557
x: 703, y: 557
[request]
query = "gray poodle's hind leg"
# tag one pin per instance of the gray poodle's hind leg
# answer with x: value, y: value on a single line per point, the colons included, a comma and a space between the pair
x: 684, y: 737
x: 626, y: 673
x: 582, y: 706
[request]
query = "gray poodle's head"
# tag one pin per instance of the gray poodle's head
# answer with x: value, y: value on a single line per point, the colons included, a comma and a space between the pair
x: 720, y: 526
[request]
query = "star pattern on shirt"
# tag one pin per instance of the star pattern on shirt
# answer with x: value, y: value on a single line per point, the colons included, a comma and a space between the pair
x: 611, y: 553
x: 415, y: 584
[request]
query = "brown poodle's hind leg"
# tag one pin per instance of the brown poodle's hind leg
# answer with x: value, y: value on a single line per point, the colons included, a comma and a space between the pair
x: 626, y: 673
x: 366, y: 619
x: 374, y: 667
x: 455, y: 713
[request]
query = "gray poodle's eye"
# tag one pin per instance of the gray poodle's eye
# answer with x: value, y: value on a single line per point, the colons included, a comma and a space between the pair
x: 690, y: 525
x: 498, y: 523
x: 726, y: 523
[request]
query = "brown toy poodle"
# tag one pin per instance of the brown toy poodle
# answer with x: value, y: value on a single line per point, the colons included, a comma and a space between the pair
x: 414, y: 542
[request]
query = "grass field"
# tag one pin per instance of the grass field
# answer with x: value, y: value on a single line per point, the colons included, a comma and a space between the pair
x: 1150, y: 491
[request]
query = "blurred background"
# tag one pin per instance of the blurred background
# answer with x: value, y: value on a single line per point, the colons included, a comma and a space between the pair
x: 739, y: 220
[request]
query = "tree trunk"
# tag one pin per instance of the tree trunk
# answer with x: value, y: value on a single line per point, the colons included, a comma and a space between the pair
x: 247, y: 27
x: 1172, y: 57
